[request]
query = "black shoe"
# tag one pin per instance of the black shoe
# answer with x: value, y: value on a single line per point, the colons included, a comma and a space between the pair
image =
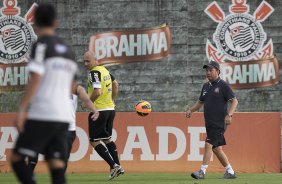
x: 228, y: 175
x: 114, y: 172
x: 198, y: 175
x: 121, y: 172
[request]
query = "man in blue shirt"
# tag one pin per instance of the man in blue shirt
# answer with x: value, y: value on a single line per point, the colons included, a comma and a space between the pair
x: 215, y: 96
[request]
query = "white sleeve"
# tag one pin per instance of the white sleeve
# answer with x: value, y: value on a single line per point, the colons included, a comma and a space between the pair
x: 37, y: 63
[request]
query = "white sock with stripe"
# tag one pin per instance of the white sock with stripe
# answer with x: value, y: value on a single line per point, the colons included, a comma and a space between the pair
x: 229, y: 169
x: 204, y: 168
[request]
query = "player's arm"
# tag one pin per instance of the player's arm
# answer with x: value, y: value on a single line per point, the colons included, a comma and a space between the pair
x: 197, y: 105
x: 95, y: 94
x: 232, y: 109
x: 114, y: 87
x: 85, y: 98
x: 95, y: 79
x: 233, y: 106
x: 194, y: 108
x: 87, y: 102
x: 230, y: 97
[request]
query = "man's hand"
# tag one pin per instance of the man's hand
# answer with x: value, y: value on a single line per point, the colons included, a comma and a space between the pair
x: 188, y: 113
x: 20, y: 121
x: 95, y: 116
x: 227, y: 119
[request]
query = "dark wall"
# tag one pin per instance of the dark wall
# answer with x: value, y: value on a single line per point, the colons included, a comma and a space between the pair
x: 169, y: 84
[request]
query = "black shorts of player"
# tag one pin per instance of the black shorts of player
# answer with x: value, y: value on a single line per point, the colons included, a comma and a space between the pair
x: 43, y: 137
x: 70, y: 139
x: 102, y: 127
x: 215, y: 136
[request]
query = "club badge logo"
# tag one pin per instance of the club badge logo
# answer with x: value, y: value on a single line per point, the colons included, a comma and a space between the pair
x: 16, y: 34
x: 241, y: 46
x: 16, y: 38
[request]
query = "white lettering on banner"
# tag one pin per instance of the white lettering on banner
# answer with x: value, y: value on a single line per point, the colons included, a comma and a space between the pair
x: 13, y: 76
x: 134, y: 45
x: 164, y: 143
x: 251, y: 73
x: 126, y: 45
x: 94, y: 155
x: 142, y: 143
x: 137, y: 139
x: 7, y: 132
x: 195, y: 143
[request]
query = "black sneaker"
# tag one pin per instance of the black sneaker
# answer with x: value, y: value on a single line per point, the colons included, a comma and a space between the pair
x: 228, y: 175
x: 198, y: 175
x: 114, y: 172
x: 121, y: 172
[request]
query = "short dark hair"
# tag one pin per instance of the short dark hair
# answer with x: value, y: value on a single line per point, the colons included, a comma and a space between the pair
x: 45, y: 15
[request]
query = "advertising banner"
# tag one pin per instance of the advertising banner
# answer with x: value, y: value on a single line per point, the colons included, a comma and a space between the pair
x: 168, y: 142
x: 16, y: 38
x: 131, y: 46
x: 241, y: 47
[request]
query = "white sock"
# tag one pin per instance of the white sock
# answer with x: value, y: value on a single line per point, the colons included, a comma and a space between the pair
x: 229, y: 169
x: 204, y: 168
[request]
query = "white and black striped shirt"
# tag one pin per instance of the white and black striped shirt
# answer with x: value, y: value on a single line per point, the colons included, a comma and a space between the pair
x: 54, y: 61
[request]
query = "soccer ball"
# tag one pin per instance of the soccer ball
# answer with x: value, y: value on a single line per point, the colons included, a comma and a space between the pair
x: 143, y: 108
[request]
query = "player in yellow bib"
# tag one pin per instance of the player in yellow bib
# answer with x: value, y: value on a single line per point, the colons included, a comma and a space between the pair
x: 100, y: 78
x: 102, y: 89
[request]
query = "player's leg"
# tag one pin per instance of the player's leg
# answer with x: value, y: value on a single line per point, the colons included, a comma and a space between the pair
x: 103, y: 152
x: 108, y: 142
x: 96, y: 134
x: 112, y: 150
x: 28, y: 144
x: 206, y: 159
x: 70, y: 139
x: 111, y: 144
x: 32, y: 162
x: 218, y: 151
x: 221, y: 156
x: 55, y: 153
x: 209, y: 143
x: 21, y: 170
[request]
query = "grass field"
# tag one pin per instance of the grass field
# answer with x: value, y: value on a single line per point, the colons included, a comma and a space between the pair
x: 154, y: 178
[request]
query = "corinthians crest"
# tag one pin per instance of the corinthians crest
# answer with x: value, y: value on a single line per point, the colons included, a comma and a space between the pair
x: 240, y: 37
x: 16, y: 38
x: 16, y: 33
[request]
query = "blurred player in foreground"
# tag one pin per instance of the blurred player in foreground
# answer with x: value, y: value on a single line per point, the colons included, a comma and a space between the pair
x: 52, y: 71
x: 77, y: 91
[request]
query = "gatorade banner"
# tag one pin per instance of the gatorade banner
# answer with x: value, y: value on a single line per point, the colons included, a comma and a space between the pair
x: 168, y: 142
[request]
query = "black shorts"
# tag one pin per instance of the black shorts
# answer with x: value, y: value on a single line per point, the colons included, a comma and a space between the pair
x: 215, y: 136
x: 43, y: 137
x: 102, y: 127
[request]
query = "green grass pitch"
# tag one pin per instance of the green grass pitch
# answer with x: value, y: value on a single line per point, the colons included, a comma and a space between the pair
x: 153, y: 178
